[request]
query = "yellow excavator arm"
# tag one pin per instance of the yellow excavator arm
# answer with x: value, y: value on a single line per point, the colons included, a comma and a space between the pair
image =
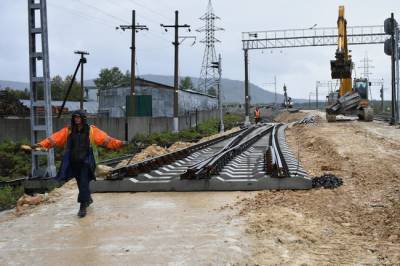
x: 341, y: 67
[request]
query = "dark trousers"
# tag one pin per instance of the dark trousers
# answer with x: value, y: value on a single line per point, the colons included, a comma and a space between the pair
x: 81, y: 174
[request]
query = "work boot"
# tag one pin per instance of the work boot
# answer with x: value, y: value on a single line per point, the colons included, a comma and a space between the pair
x: 89, y: 202
x: 82, y: 210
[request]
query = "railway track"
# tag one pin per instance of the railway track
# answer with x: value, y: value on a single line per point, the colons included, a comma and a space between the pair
x: 253, y: 158
x: 241, y: 161
x: 382, y: 117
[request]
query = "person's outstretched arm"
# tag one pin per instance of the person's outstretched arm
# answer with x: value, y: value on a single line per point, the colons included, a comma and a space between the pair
x: 58, y: 139
x: 101, y: 138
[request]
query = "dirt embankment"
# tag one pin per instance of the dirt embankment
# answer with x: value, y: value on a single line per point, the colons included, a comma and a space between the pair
x: 358, y: 223
x: 287, y: 117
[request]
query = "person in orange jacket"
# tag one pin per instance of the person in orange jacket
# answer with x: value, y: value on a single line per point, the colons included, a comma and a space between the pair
x: 80, y: 142
x: 257, y: 115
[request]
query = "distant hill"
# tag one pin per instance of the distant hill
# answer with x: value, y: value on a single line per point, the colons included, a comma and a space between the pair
x: 13, y: 84
x: 232, y: 90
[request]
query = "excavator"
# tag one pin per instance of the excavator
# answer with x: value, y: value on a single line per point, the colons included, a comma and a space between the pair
x: 352, y: 97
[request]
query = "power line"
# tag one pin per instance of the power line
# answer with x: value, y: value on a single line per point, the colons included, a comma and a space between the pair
x: 103, y: 12
x: 82, y: 15
x: 151, y: 10
x: 144, y: 18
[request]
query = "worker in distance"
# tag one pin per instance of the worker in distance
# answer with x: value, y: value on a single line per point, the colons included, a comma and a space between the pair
x: 80, y: 141
x: 257, y: 115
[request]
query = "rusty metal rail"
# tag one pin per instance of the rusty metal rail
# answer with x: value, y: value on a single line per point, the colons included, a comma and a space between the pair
x: 155, y: 162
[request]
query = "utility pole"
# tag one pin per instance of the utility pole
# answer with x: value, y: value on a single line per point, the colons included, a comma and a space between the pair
x: 176, y: 27
x: 275, y: 99
x: 134, y: 28
x: 316, y: 96
x: 397, y: 56
x: 382, y: 100
x: 82, y: 61
x: 219, y: 66
x: 246, y: 87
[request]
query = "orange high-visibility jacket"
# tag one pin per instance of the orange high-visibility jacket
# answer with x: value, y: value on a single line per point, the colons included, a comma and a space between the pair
x: 97, y: 137
x: 257, y: 113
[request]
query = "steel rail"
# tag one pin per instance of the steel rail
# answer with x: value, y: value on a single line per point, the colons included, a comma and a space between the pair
x: 214, y: 164
x: 275, y: 163
x: 195, y: 169
x: 155, y: 162
x: 13, y: 182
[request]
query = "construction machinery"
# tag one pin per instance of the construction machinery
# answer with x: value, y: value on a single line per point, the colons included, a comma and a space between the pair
x: 351, y: 98
x: 288, y: 103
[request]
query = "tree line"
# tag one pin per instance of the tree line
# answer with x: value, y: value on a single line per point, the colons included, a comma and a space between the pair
x: 59, y: 87
x: 114, y: 77
x: 108, y: 78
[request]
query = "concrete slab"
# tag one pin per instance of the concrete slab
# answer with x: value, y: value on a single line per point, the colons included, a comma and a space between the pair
x: 214, y: 184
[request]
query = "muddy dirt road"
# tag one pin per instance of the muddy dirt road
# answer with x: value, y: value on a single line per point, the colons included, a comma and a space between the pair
x: 126, y: 229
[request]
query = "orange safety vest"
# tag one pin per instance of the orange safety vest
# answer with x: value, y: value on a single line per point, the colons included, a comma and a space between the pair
x: 97, y: 137
x: 257, y: 113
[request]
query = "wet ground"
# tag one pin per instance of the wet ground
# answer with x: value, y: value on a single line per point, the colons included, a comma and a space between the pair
x: 128, y: 228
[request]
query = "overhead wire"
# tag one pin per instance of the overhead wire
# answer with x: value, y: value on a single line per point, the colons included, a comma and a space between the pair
x: 152, y: 34
x: 111, y: 18
x: 150, y: 10
x: 82, y: 15
x: 102, y: 11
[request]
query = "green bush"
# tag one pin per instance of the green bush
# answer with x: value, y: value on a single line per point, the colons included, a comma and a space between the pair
x: 9, y: 196
x: 13, y: 161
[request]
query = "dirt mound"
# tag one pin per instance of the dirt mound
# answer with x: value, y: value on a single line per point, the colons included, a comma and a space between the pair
x: 232, y: 130
x: 27, y: 200
x: 150, y: 152
x: 179, y: 145
x: 286, y: 117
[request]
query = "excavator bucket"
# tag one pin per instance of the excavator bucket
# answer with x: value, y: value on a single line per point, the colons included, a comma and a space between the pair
x: 341, y: 69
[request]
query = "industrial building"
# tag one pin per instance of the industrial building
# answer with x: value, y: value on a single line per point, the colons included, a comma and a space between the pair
x: 112, y: 101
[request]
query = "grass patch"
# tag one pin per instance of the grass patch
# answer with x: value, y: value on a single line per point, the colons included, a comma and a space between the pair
x: 207, y: 128
x: 9, y: 196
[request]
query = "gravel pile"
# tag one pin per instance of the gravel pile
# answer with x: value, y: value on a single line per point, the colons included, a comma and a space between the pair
x: 311, y: 119
x: 327, y: 181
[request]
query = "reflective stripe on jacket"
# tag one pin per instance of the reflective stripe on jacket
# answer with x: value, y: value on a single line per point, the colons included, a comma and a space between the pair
x: 61, y: 139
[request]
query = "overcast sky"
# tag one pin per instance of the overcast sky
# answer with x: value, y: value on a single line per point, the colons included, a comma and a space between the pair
x: 90, y: 25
